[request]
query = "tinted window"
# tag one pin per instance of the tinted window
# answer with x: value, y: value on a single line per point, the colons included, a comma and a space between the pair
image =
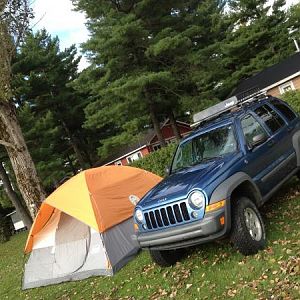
x: 285, y: 110
x: 251, y: 128
x: 270, y: 117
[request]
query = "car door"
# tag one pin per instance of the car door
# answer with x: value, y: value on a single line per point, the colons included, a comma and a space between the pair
x: 259, y: 157
x: 293, y: 126
x: 283, y: 156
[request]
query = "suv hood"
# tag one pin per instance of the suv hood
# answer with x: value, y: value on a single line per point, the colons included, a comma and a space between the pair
x: 179, y: 184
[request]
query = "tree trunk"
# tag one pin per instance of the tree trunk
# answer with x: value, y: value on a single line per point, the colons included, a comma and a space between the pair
x: 12, y: 28
x: 21, y: 161
x: 155, y: 121
x: 174, y: 125
x: 12, y: 195
x: 71, y: 165
x: 74, y: 145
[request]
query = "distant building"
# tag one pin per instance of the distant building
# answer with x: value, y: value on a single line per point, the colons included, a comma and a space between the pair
x: 147, y: 144
x: 275, y: 80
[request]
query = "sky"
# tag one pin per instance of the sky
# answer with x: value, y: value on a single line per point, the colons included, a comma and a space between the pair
x: 59, y: 18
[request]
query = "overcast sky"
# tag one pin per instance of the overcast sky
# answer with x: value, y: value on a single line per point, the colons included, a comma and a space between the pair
x: 58, y: 17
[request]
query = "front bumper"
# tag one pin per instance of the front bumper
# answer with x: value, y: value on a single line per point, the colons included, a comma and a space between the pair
x: 198, y: 232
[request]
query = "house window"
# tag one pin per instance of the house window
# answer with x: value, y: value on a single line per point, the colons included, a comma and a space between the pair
x: 134, y: 156
x: 156, y: 147
x: 118, y: 163
x: 288, y: 86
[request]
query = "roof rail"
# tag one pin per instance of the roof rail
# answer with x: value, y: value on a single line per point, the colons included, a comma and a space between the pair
x: 226, y: 105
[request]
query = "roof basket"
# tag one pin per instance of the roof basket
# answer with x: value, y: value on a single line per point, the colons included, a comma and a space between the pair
x: 226, y: 105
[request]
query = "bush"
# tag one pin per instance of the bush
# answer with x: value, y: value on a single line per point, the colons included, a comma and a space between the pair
x: 293, y: 99
x: 156, y: 162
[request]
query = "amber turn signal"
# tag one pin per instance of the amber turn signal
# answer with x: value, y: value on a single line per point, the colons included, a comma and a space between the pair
x: 222, y: 220
x: 215, y: 206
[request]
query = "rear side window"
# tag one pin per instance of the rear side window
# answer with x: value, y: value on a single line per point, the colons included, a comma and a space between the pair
x: 251, y: 128
x: 270, y: 117
x: 285, y: 110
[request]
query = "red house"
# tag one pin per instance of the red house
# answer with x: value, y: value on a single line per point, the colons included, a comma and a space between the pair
x: 147, y: 144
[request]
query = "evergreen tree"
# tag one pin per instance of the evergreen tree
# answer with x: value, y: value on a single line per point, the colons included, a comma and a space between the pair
x: 51, y: 112
x: 259, y: 39
x: 140, y: 51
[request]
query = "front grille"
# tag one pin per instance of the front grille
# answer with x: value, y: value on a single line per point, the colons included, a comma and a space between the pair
x: 165, y: 216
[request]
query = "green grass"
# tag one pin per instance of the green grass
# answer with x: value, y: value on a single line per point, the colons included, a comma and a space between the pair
x: 213, y: 271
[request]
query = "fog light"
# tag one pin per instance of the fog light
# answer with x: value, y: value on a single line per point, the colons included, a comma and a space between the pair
x: 194, y: 214
x: 136, y: 227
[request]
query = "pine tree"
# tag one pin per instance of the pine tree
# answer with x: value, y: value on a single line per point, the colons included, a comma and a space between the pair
x: 141, y: 53
x: 42, y: 77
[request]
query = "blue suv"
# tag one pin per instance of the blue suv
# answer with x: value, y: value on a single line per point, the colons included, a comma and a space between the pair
x: 238, y: 157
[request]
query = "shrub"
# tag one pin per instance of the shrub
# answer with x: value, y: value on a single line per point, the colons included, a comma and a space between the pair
x: 156, y: 162
x: 293, y: 99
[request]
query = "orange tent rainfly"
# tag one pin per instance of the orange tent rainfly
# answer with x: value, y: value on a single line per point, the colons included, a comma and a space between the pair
x: 84, y: 227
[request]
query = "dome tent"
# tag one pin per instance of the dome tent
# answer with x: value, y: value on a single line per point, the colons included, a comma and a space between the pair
x: 84, y: 227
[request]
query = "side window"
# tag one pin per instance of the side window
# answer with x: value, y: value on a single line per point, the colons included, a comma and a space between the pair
x: 285, y: 110
x: 251, y: 128
x: 270, y: 117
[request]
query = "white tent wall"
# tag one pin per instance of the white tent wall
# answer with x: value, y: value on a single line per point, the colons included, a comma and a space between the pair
x: 78, y: 251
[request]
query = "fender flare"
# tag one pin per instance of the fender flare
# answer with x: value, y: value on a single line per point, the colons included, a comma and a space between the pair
x: 225, y: 189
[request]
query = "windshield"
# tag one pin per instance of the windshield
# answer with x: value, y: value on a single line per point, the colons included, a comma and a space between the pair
x: 209, y: 145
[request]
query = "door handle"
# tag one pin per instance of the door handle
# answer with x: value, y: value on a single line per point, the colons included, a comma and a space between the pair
x: 289, y: 129
x: 271, y: 143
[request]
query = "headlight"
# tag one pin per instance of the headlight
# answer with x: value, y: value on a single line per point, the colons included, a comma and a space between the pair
x: 197, y: 199
x: 139, y: 215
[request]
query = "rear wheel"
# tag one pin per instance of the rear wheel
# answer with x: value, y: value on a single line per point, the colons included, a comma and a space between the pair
x: 166, y: 258
x: 248, y: 231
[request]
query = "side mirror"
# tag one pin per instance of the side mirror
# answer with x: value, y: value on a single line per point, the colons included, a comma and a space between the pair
x: 258, y: 139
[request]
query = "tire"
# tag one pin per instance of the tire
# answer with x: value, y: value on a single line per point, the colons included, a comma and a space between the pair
x: 248, y: 233
x: 166, y: 258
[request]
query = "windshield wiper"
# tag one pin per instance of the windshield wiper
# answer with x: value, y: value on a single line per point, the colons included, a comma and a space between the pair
x: 205, y: 159
x: 212, y: 158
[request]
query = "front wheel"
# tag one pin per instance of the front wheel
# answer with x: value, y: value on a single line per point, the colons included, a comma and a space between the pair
x: 248, y: 231
x: 166, y: 258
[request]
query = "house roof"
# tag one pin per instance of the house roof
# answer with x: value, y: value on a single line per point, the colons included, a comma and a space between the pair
x: 271, y: 75
x: 140, y: 143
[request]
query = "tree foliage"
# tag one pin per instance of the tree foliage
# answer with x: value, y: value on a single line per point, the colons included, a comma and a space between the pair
x: 149, y: 58
x: 50, y: 111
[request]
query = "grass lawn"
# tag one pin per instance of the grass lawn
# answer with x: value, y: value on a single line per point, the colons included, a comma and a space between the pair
x: 213, y: 271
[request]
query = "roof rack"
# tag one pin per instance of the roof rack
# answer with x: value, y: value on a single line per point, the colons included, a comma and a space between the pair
x: 227, y: 105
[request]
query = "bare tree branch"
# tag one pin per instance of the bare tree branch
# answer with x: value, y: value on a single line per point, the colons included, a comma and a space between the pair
x: 7, y: 144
